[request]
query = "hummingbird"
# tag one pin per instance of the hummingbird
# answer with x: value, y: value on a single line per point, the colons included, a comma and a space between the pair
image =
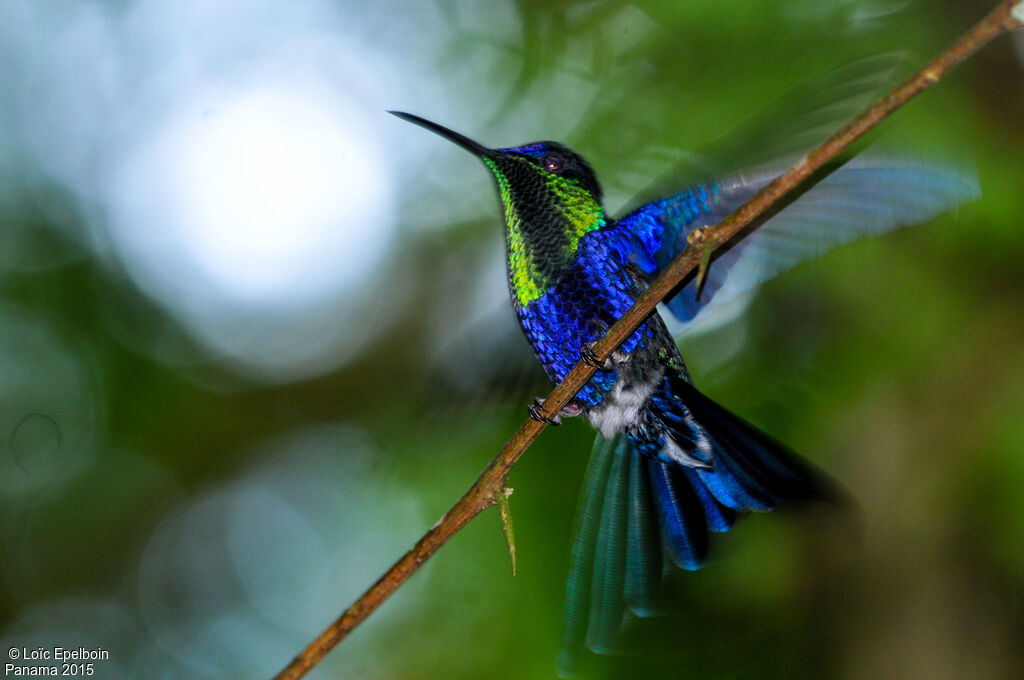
x: 669, y: 464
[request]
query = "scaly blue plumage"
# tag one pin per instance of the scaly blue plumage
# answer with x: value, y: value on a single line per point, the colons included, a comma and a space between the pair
x: 590, y: 295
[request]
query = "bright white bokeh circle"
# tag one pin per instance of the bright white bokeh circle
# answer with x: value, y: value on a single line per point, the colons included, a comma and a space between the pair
x: 257, y: 214
x: 281, y: 193
x: 265, y: 194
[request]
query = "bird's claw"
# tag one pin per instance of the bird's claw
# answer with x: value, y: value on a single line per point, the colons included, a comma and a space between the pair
x: 537, y: 414
x: 570, y: 410
x: 590, y: 357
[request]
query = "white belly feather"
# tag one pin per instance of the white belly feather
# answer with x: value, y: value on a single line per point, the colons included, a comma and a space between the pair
x: 622, y: 406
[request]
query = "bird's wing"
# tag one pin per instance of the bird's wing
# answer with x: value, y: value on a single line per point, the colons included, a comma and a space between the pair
x: 871, y: 194
x: 867, y: 195
x: 777, y: 133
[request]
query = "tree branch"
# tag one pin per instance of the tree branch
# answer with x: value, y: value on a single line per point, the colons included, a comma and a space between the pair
x: 490, y: 486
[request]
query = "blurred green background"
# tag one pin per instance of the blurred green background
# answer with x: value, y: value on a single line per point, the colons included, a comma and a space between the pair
x: 254, y: 340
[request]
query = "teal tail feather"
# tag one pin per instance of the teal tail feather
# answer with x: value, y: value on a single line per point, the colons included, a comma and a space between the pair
x: 637, y: 509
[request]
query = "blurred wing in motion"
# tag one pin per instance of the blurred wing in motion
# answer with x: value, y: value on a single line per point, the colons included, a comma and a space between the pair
x: 865, y: 196
x: 778, y: 133
x: 869, y: 195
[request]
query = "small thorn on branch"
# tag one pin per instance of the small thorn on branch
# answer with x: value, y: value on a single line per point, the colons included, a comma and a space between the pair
x: 703, y: 238
x: 505, y: 511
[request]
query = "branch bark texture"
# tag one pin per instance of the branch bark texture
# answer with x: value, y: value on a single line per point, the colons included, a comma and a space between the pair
x: 491, y: 483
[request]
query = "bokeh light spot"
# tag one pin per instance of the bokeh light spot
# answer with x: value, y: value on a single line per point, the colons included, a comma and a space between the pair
x: 256, y: 211
x: 278, y: 189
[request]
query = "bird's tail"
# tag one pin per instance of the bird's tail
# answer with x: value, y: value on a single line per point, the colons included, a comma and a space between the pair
x: 642, y: 498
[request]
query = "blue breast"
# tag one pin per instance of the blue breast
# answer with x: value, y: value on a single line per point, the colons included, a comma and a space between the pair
x: 590, y: 295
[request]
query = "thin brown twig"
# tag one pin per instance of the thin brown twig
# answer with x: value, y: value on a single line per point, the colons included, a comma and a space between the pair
x: 491, y: 483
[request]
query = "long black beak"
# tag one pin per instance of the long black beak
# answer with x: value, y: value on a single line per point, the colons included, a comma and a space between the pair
x: 452, y: 136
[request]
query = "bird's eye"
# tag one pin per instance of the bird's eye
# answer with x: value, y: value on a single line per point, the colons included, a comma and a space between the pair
x: 552, y: 162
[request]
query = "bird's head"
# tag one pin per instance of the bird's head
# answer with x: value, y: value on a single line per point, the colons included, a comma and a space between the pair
x: 551, y: 199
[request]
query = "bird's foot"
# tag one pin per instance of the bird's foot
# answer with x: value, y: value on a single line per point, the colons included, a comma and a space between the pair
x: 590, y: 357
x: 535, y: 412
x: 569, y: 410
